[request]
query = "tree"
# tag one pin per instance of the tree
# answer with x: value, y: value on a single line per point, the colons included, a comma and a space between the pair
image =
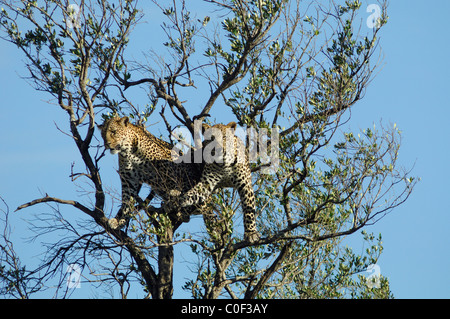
x: 289, y: 68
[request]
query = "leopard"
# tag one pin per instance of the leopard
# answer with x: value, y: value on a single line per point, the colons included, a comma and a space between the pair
x: 226, y: 165
x: 185, y: 188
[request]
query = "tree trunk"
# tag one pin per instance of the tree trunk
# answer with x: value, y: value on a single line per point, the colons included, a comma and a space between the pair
x: 164, y: 289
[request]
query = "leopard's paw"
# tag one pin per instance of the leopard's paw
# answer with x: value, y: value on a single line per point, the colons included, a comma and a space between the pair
x: 251, y: 237
x: 116, y: 224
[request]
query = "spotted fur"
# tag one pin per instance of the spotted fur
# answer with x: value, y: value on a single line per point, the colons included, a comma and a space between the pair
x: 185, y: 187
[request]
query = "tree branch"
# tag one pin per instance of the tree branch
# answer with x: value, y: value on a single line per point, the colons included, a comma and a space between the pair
x: 253, y: 293
x: 73, y: 203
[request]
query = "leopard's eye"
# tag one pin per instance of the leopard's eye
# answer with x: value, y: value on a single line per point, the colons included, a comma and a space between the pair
x: 113, y: 132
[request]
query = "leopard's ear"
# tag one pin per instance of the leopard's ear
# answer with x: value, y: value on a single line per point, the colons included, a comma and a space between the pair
x: 232, y: 125
x: 205, y: 127
x: 124, y: 121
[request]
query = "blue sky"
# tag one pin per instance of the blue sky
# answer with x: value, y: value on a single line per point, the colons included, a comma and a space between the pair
x: 410, y: 90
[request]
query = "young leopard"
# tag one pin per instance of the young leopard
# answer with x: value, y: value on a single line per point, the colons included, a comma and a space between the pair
x: 143, y: 158
x: 226, y: 165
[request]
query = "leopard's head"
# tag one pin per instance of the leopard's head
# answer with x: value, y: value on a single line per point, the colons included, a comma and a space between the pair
x: 115, y: 133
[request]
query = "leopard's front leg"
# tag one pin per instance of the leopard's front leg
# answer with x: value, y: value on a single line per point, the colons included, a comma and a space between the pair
x: 130, y: 194
x: 194, y: 200
x: 243, y: 183
x: 201, y: 192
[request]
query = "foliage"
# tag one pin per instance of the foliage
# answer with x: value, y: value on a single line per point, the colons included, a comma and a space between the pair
x: 290, y: 67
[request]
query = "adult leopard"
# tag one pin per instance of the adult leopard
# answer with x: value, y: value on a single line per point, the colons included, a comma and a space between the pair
x: 185, y: 187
